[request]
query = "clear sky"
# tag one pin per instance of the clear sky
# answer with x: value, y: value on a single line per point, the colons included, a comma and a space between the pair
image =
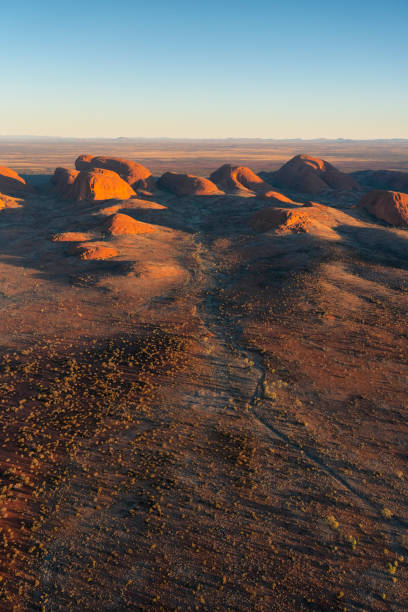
x: 287, y: 69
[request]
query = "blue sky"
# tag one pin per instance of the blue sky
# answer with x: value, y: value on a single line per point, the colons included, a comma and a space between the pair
x: 212, y: 69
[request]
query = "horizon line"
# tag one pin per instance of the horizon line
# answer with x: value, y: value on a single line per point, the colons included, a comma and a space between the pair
x: 202, y: 138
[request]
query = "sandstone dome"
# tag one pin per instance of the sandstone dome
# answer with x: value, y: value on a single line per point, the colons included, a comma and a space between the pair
x: 389, y: 206
x: 137, y: 175
x: 62, y: 180
x: 187, y: 184
x: 122, y: 225
x: 308, y: 174
x: 99, y: 184
x: 238, y: 178
x: 12, y: 184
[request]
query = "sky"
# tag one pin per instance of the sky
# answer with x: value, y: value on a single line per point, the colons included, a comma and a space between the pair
x: 214, y: 69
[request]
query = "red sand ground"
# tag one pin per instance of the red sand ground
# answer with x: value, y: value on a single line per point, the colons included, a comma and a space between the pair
x: 214, y: 419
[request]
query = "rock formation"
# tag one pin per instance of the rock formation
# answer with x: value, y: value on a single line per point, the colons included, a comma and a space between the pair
x: 308, y: 174
x: 275, y: 196
x: 138, y: 176
x: 187, y: 184
x: 120, y: 225
x: 12, y: 184
x: 95, y: 251
x: 389, y: 206
x: 99, y: 184
x: 70, y: 237
x: 133, y: 204
x: 283, y: 219
x: 238, y: 178
x: 63, y: 180
x: 382, y: 179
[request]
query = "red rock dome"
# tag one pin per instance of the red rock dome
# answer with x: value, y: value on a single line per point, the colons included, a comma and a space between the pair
x: 120, y: 225
x: 137, y: 175
x: 308, y: 174
x: 12, y: 184
x: 63, y: 180
x: 389, y: 206
x: 187, y: 184
x: 99, y: 184
x: 238, y: 178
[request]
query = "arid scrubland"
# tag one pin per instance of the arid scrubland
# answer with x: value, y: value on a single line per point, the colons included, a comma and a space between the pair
x: 203, y: 383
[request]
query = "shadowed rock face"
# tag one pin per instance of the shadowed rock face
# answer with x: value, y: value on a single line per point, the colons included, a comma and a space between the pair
x: 187, y: 184
x: 137, y: 175
x: 98, y: 184
x: 238, y: 178
x: 63, y: 180
x: 308, y: 174
x: 12, y: 184
x: 382, y: 179
x: 120, y: 225
x: 279, y: 218
x: 389, y: 206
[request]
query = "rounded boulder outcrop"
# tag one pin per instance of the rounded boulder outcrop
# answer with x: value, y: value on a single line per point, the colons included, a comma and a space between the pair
x: 307, y: 174
x: 187, y: 184
x: 136, y: 175
x: 388, y: 206
x: 238, y: 178
x: 63, y: 180
x: 124, y: 225
x: 12, y: 184
x: 99, y: 184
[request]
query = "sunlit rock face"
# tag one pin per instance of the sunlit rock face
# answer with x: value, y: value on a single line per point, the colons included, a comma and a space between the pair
x: 98, y: 184
x: 94, y: 251
x: 122, y: 225
x: 238, y: 178
x: 137, y: 175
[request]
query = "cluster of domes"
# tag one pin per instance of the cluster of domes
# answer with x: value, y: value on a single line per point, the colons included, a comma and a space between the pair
x: 99, y: 178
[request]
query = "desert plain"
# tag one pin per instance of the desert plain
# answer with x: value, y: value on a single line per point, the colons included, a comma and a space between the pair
x: 203, y: 381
